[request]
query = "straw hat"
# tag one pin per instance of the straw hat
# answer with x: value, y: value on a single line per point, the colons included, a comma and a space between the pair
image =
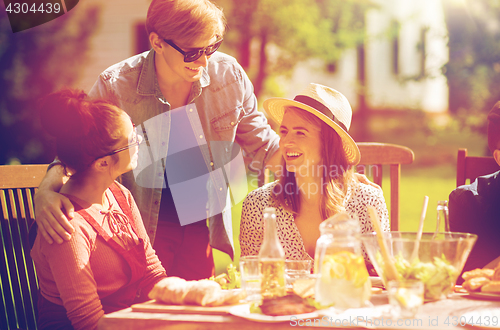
x: 325, y: 103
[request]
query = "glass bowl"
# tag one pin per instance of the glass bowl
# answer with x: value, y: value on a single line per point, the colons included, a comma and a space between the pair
x: 438, y: 263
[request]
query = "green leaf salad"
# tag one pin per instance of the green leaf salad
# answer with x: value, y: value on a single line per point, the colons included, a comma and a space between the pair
x: 231, y: 280
x: 438, y: 276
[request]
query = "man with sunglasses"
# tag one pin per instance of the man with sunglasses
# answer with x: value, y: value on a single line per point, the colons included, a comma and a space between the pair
x: 180, y: 92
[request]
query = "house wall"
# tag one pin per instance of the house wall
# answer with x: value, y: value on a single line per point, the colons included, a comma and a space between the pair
x: 407, y: 89
x: 115, y: 38
x: 386, y: 89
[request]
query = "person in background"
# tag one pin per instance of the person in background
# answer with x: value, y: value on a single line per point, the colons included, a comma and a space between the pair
x: 318, y: 179
x: 475, y: 208
x: 182, y: 92
x: 109, y: 257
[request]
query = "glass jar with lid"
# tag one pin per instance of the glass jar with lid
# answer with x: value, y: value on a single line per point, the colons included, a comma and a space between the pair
x: 342, y: 278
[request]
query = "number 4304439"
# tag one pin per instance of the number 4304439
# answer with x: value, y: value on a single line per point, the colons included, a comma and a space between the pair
x: 474, y: 320
x: 26, y: 8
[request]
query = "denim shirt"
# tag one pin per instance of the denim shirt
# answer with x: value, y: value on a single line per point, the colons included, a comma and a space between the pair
x: 222, y: 111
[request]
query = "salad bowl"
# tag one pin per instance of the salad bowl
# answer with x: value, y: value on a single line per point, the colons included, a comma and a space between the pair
x: 437, y: 259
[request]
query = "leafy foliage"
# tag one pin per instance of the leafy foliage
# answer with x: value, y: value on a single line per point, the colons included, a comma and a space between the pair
x: 280, y: 33
x: 34, y: 63
x: 473, y: 71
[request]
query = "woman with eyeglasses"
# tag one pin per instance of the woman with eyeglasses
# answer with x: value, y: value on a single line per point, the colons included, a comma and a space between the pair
x: 109, y: 258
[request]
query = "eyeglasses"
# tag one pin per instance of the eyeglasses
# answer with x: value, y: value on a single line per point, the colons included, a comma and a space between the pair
x: 135, y: 141
x: 193, y: 55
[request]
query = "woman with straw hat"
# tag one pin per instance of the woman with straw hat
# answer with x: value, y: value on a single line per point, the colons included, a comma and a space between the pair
x: 317, y: 178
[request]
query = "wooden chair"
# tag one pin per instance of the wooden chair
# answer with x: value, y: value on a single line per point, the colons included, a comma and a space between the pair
x: 373, y: 157
x: 469, y: 167
x: 18, y: 281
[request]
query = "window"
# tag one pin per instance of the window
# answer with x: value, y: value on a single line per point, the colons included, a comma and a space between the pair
x: 422, y: 50
x: 395, y: 46
x: 332, y: 67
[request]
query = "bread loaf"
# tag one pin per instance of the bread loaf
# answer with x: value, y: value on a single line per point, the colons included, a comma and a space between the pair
x: 201, y: 292
x: 478, y: 272
x: 177, y: 291
x: 475, y: 283
x: 491, y: 287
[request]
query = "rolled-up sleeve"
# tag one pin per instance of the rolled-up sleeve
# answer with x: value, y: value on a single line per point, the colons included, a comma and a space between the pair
x: 254, y: 133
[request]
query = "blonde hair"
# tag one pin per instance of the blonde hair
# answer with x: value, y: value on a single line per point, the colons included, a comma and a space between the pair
x: 336, y: 177
x: 185, y: 21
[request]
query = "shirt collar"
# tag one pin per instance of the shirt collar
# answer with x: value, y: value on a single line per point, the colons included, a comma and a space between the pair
x: 147, y: 77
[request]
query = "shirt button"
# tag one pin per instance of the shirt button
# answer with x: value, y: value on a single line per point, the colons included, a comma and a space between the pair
x: 232, y: 123
x: 160, y: 174
x: 156, y: 202
x: 211, y: 163
x: 220, y: 188
x: 191, y: 110
x: 201, y: 136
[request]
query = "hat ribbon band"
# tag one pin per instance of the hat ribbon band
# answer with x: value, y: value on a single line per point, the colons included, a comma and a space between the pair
x: 320, y: 107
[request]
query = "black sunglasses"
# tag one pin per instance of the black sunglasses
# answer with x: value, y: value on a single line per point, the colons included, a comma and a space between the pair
x: 193, y: 55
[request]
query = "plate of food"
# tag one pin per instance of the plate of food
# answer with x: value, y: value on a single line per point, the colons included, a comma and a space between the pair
x: 244, y: 312
x: 482, y: 283
x: 289, y: 308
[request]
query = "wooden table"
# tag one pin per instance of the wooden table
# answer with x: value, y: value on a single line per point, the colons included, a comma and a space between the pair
x: 442, y: 314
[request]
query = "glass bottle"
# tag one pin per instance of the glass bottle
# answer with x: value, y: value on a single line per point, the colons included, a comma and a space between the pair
x: 271, y: 259
x: 342, y: 278
x: 442, y: 216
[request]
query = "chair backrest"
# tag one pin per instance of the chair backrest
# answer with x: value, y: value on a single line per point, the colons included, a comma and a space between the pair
x: 18, y: 281
x: 469, y: 167
x: 373, y: 157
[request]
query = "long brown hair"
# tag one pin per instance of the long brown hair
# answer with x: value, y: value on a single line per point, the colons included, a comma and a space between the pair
x: 337, y: 173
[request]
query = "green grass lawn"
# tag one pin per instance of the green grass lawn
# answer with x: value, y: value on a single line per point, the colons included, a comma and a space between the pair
x: 414, y: 186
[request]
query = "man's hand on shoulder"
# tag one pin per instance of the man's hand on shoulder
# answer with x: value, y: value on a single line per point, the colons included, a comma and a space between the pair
x: 52, y: 222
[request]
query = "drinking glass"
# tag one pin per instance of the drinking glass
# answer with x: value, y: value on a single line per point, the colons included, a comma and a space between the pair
x: 296, y: 269
x: 405, y: 297
x: 250, y: 277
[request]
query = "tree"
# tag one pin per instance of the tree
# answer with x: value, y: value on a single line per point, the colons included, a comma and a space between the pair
x: 34, y: 63
x: 473, y: 70
x: 286, y: 32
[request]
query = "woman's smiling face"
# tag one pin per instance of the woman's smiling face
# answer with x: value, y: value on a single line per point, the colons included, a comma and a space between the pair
x: 300, y: 143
